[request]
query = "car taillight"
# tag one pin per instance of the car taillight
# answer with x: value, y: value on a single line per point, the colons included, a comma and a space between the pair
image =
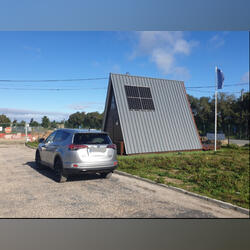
x: 111, y: 146
x: 75, y: 147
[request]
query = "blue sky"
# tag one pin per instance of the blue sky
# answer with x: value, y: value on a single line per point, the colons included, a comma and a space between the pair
x: 188, y: 56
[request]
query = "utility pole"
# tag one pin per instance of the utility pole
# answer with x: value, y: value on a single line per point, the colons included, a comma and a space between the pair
x: 241, y: 94
x: 26, y: 132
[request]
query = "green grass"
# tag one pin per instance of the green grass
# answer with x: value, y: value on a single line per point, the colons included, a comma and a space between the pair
x: 222, y: 175
x: 33, y: 144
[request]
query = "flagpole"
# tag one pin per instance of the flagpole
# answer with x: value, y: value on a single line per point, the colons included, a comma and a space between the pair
x: 215, y: 111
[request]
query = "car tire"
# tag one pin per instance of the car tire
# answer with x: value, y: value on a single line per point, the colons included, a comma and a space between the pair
x: 60, y: 177
x: 106, y: 175
x: 38, y: 160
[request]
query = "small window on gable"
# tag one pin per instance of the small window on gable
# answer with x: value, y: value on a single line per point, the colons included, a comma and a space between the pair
x: 139, y: 98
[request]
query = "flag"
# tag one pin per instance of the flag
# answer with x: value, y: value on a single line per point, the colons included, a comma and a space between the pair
x: 220, y: 78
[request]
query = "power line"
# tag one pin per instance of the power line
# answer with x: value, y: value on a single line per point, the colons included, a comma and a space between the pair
x: 86, y: 79
x: 51, y: 89
x: 225, y: 85
x: 194, y: 90
x: 57, y: 80
x: 99, y: 78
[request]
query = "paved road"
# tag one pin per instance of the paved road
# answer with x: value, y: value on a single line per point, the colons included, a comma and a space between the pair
x: 239, y: 142
x: 26, y: 191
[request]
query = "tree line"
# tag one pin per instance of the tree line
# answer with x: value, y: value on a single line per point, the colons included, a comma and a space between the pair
x: 233, y: 115
x: 76, y: 120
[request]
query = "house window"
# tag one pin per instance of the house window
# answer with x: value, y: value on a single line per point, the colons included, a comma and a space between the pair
x: 139, y: 98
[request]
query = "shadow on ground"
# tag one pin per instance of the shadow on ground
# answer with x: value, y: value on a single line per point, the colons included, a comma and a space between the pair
x: 49, y: 173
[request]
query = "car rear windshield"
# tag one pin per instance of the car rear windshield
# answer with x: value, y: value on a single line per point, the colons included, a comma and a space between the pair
x: 92, y: 138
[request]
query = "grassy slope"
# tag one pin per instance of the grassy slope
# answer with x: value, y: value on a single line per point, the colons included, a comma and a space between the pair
x: 223, y: 175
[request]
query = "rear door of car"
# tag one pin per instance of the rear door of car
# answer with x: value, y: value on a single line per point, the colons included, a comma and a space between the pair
x: 97, y: 149
x: 57, y: 143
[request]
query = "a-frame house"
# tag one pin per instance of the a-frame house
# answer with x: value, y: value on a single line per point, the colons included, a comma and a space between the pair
x: 146, y: 115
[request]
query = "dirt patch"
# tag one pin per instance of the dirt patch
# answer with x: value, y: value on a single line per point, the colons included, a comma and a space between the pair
x: 174, y: 171
x: 172, y: 180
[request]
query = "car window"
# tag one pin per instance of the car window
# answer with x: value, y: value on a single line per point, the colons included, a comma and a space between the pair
x: 91, y: 138
x: 50, y: 138
x: 61, y: 136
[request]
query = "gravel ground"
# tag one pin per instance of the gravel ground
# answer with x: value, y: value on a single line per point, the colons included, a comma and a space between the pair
x: 26, y: 191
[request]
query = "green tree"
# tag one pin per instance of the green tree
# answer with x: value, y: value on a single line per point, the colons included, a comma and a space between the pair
x: 76, y: 120
x: 21, y: 123
x: 232, y: 114
x: 204, y: 114
x: 33, y: 123
x: 45, y: 122
x: 14, y: 123
x: 4, y: 121
x: 53, y: 124
x: 81, y: 119
x: 93, y: 120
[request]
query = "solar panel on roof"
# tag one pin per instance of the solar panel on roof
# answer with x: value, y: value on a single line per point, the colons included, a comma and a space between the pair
x: 134, y: 103
x: 147, y: 104
x: 132, y: 91
x: 139, y: 98
x: 144, y: 92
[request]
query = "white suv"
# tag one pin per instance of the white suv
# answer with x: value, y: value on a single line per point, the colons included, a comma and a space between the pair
x: 77, y: 151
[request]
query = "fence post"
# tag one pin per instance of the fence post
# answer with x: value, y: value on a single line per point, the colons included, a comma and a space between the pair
x: 26, y: 132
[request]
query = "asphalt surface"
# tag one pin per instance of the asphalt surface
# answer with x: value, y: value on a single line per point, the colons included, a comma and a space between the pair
x: 26, y: 191
x: 239, y: 142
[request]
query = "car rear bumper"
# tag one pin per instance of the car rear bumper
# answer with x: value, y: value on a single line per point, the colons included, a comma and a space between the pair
x: 97, y: 169
x: 83, y: 167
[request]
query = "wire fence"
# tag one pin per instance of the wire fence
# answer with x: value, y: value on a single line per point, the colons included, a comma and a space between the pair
x: 10, y: 131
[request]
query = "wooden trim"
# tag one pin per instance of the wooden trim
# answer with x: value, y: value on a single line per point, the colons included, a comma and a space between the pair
x: 106, y: 103
x: 164, y: 152
x: 121, y: 148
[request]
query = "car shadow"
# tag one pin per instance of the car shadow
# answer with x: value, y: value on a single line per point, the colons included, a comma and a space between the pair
x: 49, y: 173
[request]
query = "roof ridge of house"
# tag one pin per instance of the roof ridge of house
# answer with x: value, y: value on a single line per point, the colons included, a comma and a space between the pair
x: 145, y: 77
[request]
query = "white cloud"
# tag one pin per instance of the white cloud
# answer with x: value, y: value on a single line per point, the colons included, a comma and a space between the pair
x: 162, y: 47
x: 87, y: 107
x: 245, y: 77
x: 26, y: 115
x: 217, y: 41
x: 163, y: 60
x: 78, y: 107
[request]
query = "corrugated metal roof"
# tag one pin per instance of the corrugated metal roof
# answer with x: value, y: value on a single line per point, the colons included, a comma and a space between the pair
x: 170, y: 127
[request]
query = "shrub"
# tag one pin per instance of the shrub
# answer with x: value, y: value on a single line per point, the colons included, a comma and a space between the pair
x: 233, y: 146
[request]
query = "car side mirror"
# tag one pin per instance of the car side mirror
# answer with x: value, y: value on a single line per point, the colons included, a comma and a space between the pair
x: 41, y: 140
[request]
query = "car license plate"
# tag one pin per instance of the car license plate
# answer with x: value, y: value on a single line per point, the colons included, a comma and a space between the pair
x: 99, y: 150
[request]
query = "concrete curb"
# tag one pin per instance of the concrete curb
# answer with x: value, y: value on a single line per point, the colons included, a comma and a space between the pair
x: 180, y: 190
